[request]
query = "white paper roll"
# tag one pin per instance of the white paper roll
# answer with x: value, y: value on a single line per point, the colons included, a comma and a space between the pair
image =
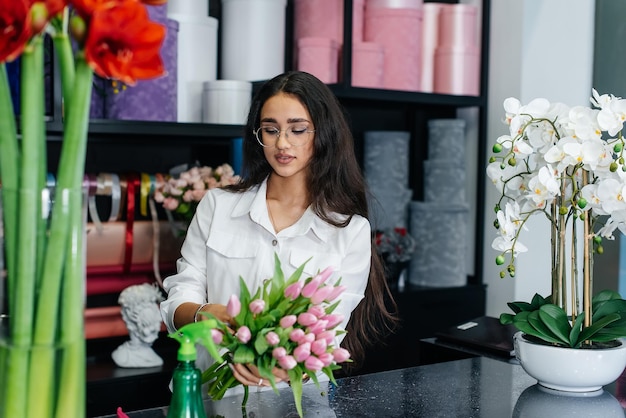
x: 226, y: 101
x: 197, y: 62
x: 253, y: 39
x: 188, y: 7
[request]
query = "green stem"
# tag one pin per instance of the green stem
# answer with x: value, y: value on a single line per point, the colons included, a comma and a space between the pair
x: 65, y: 55
x: 9, y: 174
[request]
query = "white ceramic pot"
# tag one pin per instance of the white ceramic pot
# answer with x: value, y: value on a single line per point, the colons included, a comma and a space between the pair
x: 568, y: 369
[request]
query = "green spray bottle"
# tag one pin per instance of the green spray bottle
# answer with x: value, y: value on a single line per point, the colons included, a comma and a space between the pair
x: 187, y: 380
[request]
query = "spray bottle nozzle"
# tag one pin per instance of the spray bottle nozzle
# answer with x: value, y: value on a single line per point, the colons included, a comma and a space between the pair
x: 196, y: 332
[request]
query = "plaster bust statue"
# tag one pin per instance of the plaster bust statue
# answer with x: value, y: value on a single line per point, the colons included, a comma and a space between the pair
x: 140, y: 312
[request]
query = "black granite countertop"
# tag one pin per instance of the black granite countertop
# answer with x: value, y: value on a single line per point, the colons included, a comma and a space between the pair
x: 475, y: 388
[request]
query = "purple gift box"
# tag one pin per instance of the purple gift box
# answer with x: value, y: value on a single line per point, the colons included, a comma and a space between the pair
x: 156, y: 99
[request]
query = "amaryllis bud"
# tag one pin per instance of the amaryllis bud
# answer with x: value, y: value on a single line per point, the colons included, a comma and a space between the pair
x: 318, y: 327
x: 333, y: 320
x: 318, y: 347
x: 287, y: 362
x: 296, y: 335
x: 272, y: 338
x: 293, y: 290
x: 243, y: 334
x: 279, y: 352
x: 302, y: 352
x: 313, y: 363
x: 257, y: 306
x: 341, y: 354
x: 287, y: 321
x: 39, y: 16
x: 305, y: 319
x: 78, y: 28
x: 234, y: 306
x: 217, y: 336
x: 321, y: 294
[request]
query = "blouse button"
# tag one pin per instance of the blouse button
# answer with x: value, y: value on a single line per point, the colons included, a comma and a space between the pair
x: 274, y: 242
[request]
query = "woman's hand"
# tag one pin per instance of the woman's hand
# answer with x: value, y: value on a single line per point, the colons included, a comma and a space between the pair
x: 248, y: 374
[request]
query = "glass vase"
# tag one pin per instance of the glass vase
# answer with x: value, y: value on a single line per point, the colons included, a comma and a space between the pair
x: 42, y: 344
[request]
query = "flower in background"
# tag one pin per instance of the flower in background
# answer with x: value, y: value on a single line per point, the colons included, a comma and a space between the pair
x: 181, y: 194
x: 278, y: 326
x: 395, y: 245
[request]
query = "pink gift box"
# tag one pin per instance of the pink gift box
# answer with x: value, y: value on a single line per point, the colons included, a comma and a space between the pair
x: 318, y: 19
x: 394, y: 4
x: 368, y: 60
x: 457, y: 25
x: 430, y: 32
x: 320, y: 57
x: 358, y: 12
x: 457, y: 71
x: 399, y: 31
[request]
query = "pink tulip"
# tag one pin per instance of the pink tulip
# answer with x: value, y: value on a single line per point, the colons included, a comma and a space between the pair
x: 321, y: 294
x: 234, y: 306
x: 313, y: 363
x: 318, y: 327
x: 217, y: 336
x: 328, y: 336
x: 287, y: 362
x: 318, y: 347
x: 287, y: 321
x: 272, y: 338
x: 302, y: 352
x: 309, y: 337
x: 333, y: 320
x: 293, y: 290
x: 309, y: 289
x: 257, y: 306
x: 341, y: 355
x: 296, y: 335
x: 305, y: 319
x: 326, y: 273
x: 326, y: 358
x: 337, y: 290
x: 243, y: 334
x: 279, y: 352
x: 317, y: 310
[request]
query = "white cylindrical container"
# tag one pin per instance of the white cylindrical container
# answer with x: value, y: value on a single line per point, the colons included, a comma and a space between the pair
x: 253, y: 39
x: 226, y: 101
x: 188, y: 7
x: 320, y: 57
x: 197, y: 44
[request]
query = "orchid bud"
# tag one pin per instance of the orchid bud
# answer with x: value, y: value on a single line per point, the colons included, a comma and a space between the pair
x: 234, y: 306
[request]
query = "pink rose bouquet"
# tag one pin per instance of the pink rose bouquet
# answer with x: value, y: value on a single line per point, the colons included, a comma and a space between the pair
x: 287, y: 324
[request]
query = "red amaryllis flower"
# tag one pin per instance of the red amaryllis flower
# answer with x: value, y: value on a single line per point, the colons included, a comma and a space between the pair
x: 85, y: 8
x: 154, y: 2
x: 124, y: 44
x: 15, y: 28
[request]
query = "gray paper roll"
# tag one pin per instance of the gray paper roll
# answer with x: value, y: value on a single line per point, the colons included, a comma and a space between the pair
x: 444, y: 182
x: 446, y: 139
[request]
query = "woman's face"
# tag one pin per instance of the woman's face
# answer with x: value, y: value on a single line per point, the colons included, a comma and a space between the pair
x: 289, y: 154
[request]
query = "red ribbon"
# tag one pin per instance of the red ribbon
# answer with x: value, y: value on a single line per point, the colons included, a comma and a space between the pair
x: 133, y: 181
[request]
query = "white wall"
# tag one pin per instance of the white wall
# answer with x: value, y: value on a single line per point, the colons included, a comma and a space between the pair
x: 538, y: 48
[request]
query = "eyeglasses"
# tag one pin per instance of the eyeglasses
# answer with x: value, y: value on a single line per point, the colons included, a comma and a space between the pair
x: 297, y: 136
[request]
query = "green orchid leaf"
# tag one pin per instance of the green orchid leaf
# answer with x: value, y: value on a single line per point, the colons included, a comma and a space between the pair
x: 518, y: 307
x: 606, y: 295
x: 574, y: 334
x: 538, y: 301
x: 556, y: 320
x: 607, y: 307
x: 506, y: 319
x: 521, y: 322
x: 589, y: 332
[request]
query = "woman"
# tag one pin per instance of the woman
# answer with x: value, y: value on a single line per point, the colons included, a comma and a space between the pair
x: 302, y: 195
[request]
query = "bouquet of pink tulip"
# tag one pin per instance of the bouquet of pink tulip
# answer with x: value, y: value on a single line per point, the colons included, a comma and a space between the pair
x: 287, y: 324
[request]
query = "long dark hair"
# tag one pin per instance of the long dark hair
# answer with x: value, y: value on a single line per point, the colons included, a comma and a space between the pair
x: 333, y: 168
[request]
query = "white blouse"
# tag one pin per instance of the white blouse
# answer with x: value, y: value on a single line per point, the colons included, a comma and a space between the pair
x: 231, y: 235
